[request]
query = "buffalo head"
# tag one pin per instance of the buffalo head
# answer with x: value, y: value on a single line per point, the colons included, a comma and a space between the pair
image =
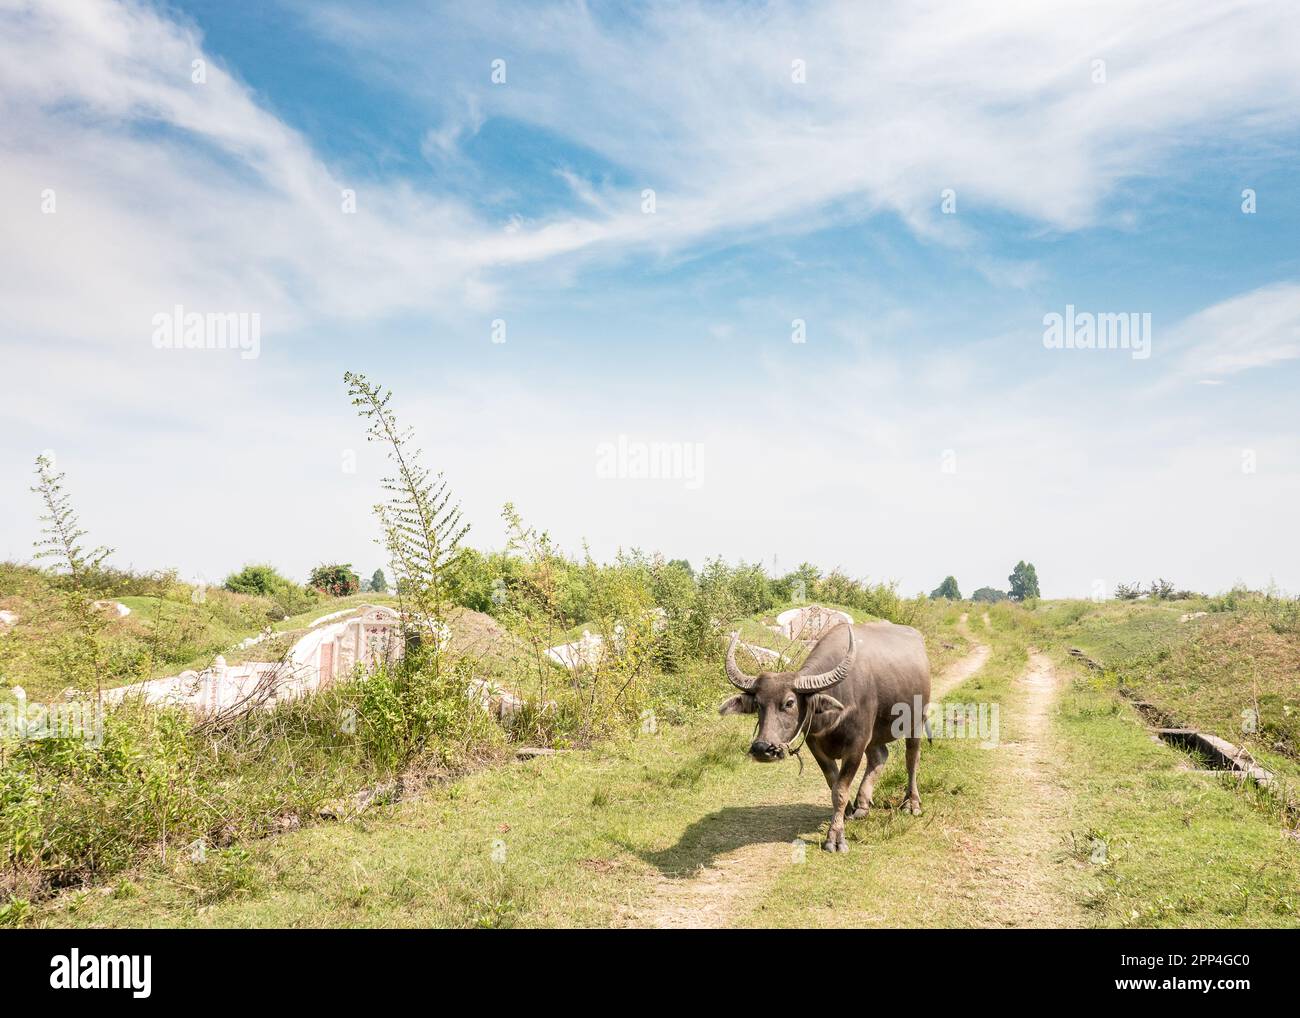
x: 784, y: 702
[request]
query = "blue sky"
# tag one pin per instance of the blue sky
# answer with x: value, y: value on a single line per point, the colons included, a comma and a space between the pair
x: 798, y: 154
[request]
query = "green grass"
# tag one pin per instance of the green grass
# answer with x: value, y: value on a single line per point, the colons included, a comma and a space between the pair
x: 564, y: 822
x: 172, y: 626
x: 303, y: 620
x: 1231, y: 673
x: 222, y: 637
x: 905, y: 871
x: 600, y: 837
x: 586, y: 835
x: 1120, y: 632
x: 1184, y: 848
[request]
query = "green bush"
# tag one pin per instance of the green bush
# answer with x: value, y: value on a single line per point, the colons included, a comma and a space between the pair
x: 1161, y: 590
x: 262, y: 580
x: 335, y: 580
x: 798, y: 585
x: 73, y: 811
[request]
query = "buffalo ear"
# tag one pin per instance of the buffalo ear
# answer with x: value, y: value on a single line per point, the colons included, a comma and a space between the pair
x: 826, y: 711
x: 744, y: 703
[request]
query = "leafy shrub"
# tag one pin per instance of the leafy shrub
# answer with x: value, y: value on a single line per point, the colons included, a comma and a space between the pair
x: 881, y: 600
x: 14, y: 912
x: 159, y: 781
x: 989, y: 595
x: 104, y: 582
x: 483, y: 582
x: 335, y: 580
x: 798, y: 585
x: 1161, y: 590
x: 263, y: 580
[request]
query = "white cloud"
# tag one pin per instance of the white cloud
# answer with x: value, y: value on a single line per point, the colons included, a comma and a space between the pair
x: 442, y: 144
x: 171, y: 192
x: 1252, y: 330
x: 996, y: 100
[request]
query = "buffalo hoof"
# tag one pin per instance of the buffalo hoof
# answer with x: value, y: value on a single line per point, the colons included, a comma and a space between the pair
x: 860, y: 812
x: 912, y: 806
x: 835, y: 843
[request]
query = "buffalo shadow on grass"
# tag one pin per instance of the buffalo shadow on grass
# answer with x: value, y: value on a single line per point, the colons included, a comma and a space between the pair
x: 731, y: 828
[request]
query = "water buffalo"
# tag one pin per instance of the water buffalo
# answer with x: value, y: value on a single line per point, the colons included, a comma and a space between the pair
x: 861, y: 688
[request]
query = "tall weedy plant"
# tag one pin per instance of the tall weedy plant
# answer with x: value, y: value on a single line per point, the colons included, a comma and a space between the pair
x: 422, y: 528
x: 61, y: 529
x: 61, y: 535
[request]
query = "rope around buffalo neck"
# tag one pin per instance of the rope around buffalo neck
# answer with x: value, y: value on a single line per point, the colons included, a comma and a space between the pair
x: 807, y: 727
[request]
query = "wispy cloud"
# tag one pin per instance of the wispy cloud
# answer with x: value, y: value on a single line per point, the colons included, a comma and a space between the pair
x: 443, y: 143
x: 1253, y: 330
x: 746, y: 113
x: 174, y: 191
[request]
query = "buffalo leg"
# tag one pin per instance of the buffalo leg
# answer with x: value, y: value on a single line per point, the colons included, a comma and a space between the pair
x: 840, y: 798
x: 877, y: 754
x: 830, y: 769
x: 913, y: 801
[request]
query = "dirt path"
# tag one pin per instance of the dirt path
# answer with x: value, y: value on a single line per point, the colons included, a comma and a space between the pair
x: 1019, y: 861
x: 959, y: 671
x: 720, y: 892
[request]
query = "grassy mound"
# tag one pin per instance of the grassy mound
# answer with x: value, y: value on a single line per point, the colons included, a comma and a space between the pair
x: 1230, y: 671
x: 172, y: 626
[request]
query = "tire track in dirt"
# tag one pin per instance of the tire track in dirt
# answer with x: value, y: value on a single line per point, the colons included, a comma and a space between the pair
x: 1018, y: 871
x: 961, y: 670
x: 717, y: 894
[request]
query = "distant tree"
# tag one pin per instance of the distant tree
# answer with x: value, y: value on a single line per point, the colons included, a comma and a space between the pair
x: 682, y: 564
x: 989, y: 595
x: 336, y: 579
x: 947, y: 589
x: 378, y: 583
x: 61, y: 532
x: 1128, y: 591
x: 1024, y: 582
x: 1161, y: 590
